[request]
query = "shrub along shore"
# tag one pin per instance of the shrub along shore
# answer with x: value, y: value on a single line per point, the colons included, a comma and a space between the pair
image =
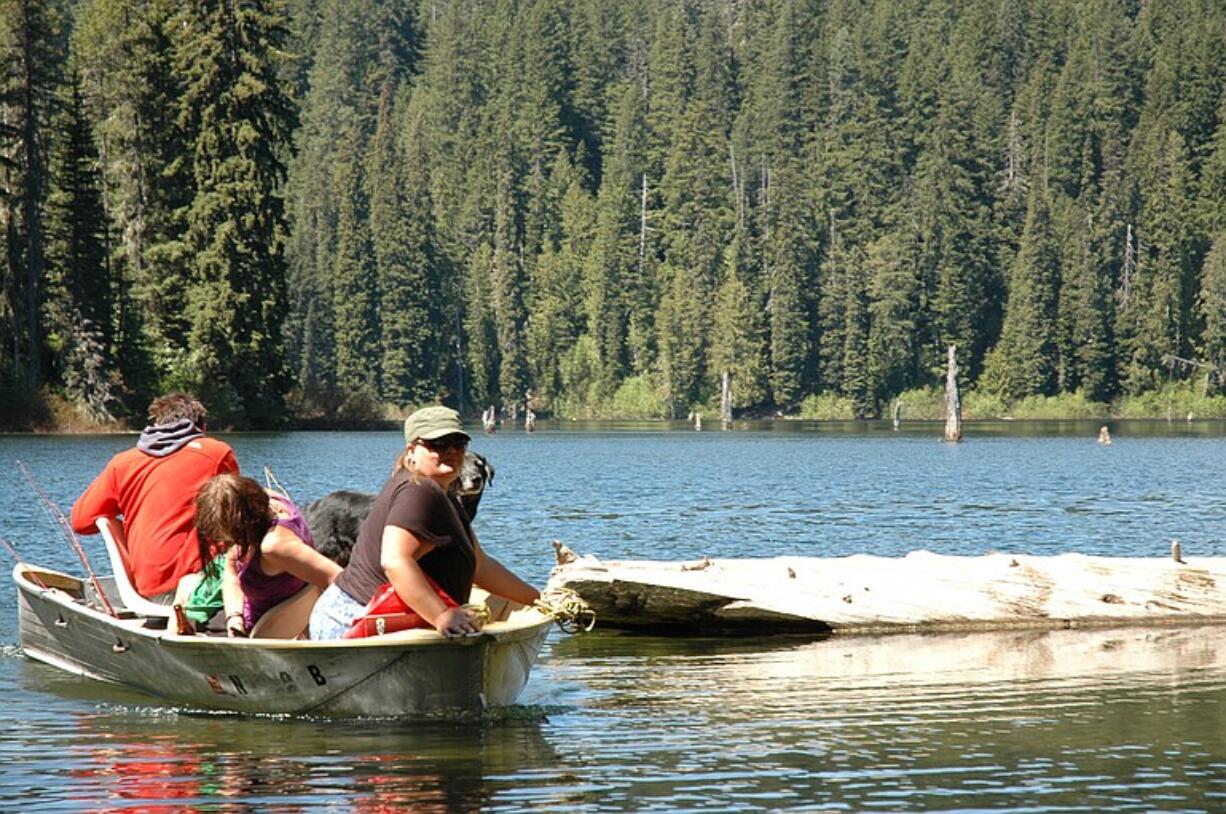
x: 50, y: 413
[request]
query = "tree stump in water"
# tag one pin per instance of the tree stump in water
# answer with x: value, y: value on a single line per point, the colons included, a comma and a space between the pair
x: 953, y: 405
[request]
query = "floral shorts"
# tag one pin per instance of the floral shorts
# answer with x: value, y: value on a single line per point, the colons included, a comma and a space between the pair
x: 334, y: 614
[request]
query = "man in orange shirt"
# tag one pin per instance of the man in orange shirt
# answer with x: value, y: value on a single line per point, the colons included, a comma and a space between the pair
x: 153, y: 488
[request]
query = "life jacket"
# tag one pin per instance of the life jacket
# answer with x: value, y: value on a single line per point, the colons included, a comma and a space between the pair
x: 386, y: 612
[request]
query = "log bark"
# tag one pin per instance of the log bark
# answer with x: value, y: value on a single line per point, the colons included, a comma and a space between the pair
x: 919, y: 592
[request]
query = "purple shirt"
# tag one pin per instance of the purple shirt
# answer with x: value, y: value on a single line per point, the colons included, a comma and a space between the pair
x: 261, y: 591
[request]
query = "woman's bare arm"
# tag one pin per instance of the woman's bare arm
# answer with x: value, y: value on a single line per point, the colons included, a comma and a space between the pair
x: 398, y: 556
x: 282, y: 551
x: 499, y: 580
x: 232, y: 594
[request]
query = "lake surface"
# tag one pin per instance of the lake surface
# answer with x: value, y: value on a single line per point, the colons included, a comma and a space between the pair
x: 1121, y: 720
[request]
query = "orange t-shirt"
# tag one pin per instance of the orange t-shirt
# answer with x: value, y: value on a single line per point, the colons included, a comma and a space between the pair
x: 156, y: 497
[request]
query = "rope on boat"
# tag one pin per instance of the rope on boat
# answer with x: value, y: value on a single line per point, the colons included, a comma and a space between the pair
x: 568, y: 609
x: 479, y: 610
x: 57, y: 516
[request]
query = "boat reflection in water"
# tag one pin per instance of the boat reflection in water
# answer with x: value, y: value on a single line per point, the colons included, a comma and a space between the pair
x: 149, y: 760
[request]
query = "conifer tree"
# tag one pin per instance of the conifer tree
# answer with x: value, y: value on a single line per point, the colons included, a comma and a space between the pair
x: 355, y: 289
x: 132, y: 90
x: 413, y: 305
x: 506, y: 300
x: 857, y: 383
x: 789, y: 271
x: 897, y: 334
x: 79, y: 303
x: 1155, y: 306
x: 1086, y: 356
x: 31, y: 64
x: 555, y: 304
x: 738, y: 335
x: 480, y: 331
x: 1024, y: 362
x: 240, y: 121
x: 1212, y: 305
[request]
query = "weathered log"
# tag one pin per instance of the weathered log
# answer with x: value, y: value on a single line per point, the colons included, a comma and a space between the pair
x: 725, y: 401
x: 953, y: 404
x: 919, y: 592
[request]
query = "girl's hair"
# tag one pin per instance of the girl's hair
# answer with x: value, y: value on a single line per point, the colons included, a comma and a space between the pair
x: 234, y: 510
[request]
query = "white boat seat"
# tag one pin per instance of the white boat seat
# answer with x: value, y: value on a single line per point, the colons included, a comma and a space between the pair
x: 111, y: 529
x: 288, y: 619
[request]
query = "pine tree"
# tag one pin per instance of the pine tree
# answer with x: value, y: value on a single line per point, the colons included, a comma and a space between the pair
x: 79, y: 303
x: 897, y: 317
x: 857, y: 383
x: 32, y: 59
x: 413, y: 306
x: 132, y: 91
x: 355, y: 290
x: 240, y: 119
x: 789, y: 260
x: 555, y: 305
x: 1086, y: 357
x: 1212, y: 304
x: 479, y: 328
x: 1024, y: 362
x: 738, y: 335
x: 506, y: 300
x: 1155, y: 309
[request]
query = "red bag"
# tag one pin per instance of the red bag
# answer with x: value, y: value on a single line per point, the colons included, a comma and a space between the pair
x: 386, y: 612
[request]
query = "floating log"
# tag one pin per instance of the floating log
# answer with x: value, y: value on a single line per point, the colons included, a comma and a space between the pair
x: 921, y: 591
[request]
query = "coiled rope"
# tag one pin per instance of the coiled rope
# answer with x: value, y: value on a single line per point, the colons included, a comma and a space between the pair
x: 480, y: 612
x: 568, y: 609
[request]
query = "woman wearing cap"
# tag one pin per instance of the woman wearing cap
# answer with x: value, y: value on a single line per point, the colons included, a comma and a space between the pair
x: 417, y: 534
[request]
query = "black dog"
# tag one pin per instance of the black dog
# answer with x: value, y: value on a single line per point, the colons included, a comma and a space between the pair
x: 334, y: 519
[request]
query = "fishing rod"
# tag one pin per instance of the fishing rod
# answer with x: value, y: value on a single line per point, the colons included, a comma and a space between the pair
x: 270, y: 480
x: 29, y: 571
x: 53, y: 511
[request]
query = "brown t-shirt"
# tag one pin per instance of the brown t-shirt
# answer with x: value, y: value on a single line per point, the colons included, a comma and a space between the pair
x: 429, y: 514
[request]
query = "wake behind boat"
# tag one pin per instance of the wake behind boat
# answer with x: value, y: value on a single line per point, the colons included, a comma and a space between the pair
x: 408, y: 673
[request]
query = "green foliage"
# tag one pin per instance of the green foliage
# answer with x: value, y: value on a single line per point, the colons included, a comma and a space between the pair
x: 1064, y: 405
x: 237, y: 113
x: 827, y: 407
x: 980, y: 403
x: 1173, y: 401
x: 396, y: 202
x: 922, y: 404
x: 636, y: 398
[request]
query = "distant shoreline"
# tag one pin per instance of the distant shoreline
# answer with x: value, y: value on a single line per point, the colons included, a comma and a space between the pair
x: 709, y: 424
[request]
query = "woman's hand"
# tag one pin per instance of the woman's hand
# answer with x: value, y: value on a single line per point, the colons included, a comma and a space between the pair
x: 457, y: 622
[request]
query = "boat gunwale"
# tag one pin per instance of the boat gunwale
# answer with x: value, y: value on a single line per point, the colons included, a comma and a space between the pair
x: 530, y: 623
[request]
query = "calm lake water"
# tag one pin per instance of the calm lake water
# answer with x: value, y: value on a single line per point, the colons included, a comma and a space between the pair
x: 1119, y: 720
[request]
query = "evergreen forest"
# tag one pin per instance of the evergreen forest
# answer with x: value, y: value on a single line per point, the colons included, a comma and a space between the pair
x: 325, y: 212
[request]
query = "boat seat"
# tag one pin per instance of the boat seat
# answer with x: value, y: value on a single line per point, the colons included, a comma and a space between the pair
x: 288, y: 619
x: 111, y: 529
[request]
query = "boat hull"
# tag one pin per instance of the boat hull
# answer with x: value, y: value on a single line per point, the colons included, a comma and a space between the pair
x: 408, y: 673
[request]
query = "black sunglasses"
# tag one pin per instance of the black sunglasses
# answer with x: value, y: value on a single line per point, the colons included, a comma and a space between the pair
x: 445, y: 443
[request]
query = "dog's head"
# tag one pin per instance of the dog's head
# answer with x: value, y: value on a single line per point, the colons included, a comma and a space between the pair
x: 476, y: 474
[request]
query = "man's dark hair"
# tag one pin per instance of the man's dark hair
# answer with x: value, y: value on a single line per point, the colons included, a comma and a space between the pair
x: 175, y: 407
